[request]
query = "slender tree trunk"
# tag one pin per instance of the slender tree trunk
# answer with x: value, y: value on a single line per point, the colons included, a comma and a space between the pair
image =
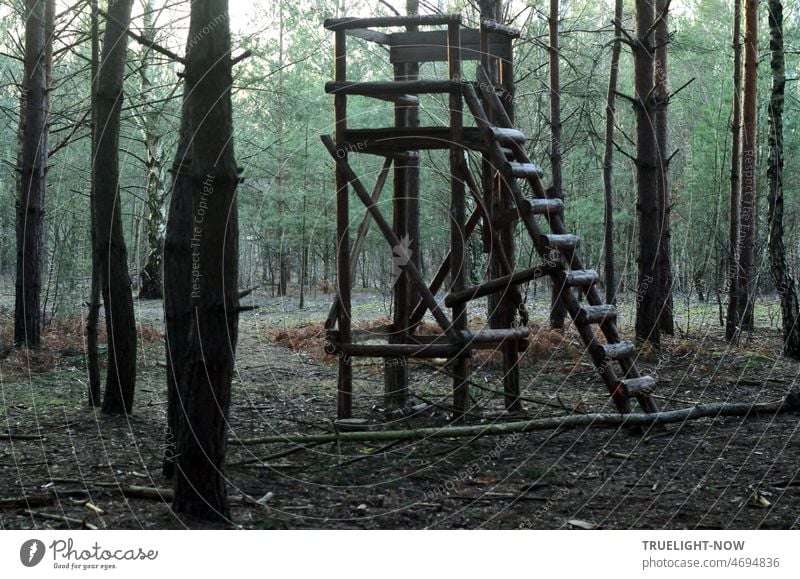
x: 205, y: 384
x: 733, y: 321
x: 747, y: 217
x: 647, y: 326
x: 151, y: 287
x: 608, y: 160
x: 557, y: 310
x: 777, y: 251
x: 30, y: 209
x: 113, y: 254
x: 92, y: 318
x: 661, y: 94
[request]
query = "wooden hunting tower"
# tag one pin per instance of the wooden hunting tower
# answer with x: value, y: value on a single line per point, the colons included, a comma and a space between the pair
x: 509, y: 190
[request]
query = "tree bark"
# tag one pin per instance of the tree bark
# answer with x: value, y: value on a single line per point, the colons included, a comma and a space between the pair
x: 647, y: 326
x: 608, y: 160
x: 733, y: 321
x: 112, y: 252
x: 787, y: 291
x: 30, y: 209
x: 558, y: 312
x: 204, y: 389
x: 178, y: 285
x: 93, y: 316
x: 661, y: 94
x: 151, y: 287
x: 747, y: 216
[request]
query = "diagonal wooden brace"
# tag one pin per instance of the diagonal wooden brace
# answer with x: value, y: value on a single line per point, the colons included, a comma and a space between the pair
x: 409, y: 268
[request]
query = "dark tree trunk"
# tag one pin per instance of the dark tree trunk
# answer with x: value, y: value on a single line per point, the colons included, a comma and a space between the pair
x: 112, y: 253
x: 92, y: 359
x: 608, y: 160
x: 661, y: 94
x: 30, y: 209
x: 557, y: 310
x: 733, y: 322
x: 777, y: 251
x: 205, y: 381
x: 178, y: 246
x: 747, y: 216
x: 151, y: 287
x: 647, y: 326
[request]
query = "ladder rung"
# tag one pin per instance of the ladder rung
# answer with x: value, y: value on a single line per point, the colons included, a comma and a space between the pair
x: 562, y: 242
x: 597, y: 314
x: 637, y: 386
x: 545, y: 206
x: 528, y: 207
x: 525, y: 170
x: 581, y: 277
x: 508, y: 135
x: 618, y: 351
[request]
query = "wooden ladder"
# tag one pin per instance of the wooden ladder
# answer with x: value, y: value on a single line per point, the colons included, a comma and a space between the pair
x: 557, y: 249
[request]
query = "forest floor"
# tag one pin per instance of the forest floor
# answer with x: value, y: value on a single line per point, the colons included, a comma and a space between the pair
x: 63, y: 465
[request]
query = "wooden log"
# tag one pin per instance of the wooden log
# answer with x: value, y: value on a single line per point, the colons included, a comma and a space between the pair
x: 617, y: 351
x: 561, y: 242
x: 508, y: 136
x: 460, y: 366
x: 370, y: 35
x: 495, y: 336
x: 60, y: 518
x: 431, y: 46
x: 581, y: 277
x: 404, y: 100
x: 596, y: 314
x: 396, y: 350
x: 350, y: 23
x: 395, y: 372
x: 496, y: 27
x: 394, y: 140
x: 525, y: 170
x: 380, y: 88
x: 344, y: 272
x: 633, y: 387
x: 790, y: 403
x: 528, y: 207
x: 28, y: 501
x: 12, y: 436
x: 498, y: 284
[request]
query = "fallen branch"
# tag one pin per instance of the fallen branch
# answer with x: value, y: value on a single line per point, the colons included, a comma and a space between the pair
x: 37, y: 500
x: 61, y: 519
x: 715, y: 410
x: 163, y: 494
x: 10, y: 436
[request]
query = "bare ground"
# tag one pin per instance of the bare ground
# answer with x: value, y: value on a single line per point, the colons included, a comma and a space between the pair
x: 66, y: 462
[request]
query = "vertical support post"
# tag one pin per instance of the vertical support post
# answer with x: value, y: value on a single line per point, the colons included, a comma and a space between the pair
x: 344, y: 401
x: 395, y: 369
x: 511, y: 380
x: 460, y: 364
x: 502, y: 308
